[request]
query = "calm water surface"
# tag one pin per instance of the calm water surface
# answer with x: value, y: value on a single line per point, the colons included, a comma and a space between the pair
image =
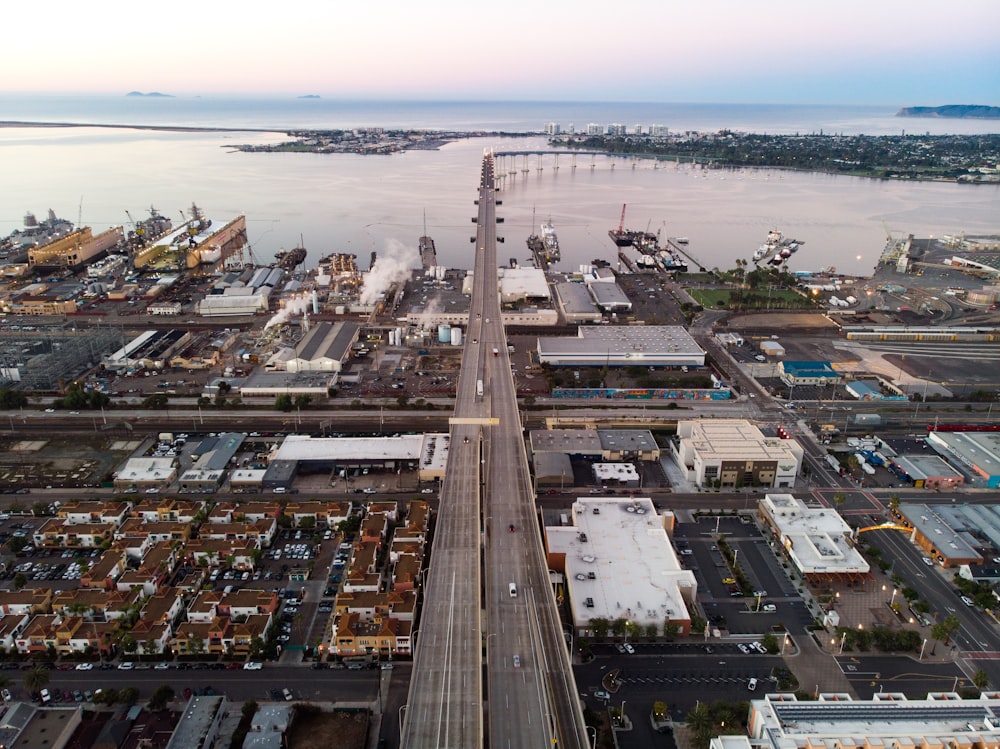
x: 365, y: 204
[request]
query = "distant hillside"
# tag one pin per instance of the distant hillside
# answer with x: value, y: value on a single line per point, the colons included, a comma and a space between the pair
x: 977, y: 111
x: 154, y: 94
x: 310, y: 96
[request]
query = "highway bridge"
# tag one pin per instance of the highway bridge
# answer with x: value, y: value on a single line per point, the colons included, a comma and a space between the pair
x: 487, y: 592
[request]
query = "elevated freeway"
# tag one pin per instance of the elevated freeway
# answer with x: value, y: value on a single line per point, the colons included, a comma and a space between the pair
x: 488, y: 591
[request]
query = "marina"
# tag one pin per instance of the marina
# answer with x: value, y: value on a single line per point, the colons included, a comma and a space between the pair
x: 776, y: 249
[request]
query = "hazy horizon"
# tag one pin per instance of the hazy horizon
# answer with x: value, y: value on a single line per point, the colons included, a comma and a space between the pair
x: 777, y: 51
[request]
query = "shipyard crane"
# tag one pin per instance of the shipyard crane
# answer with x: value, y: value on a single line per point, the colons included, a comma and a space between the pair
x: 621, y: 221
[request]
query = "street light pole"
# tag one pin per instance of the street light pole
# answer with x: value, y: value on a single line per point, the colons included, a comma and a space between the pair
x: 924, y: 645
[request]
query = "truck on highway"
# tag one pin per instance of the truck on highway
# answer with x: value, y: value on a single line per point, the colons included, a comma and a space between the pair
x: 479, y: 388
x: 496, y: 351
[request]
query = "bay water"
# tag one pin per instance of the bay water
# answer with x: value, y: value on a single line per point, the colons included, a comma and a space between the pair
x: 365, y: 204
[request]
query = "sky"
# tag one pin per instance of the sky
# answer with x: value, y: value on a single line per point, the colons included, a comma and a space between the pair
x: 729, y: 51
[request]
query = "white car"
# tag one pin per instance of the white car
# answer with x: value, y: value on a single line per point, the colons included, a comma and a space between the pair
x: 752, y: 683
x: 252, y: 666
x: 928, y: 561
x: 162, y: 666
x: 84, y: 666
x: 629, y: 649
x: 126, y: 666
x: 744, y: 648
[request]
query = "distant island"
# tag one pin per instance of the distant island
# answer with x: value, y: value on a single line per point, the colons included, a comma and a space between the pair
x: 976, y: 111
x: 151, y: 94
x: 310, y: 96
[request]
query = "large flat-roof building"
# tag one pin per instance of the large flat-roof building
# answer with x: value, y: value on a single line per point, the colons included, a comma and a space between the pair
x: 608, y: 444
x: 952, y: 534
x: 817, y: 541
x: 734, y: 453
x: 609, y: 297
x: 619, y: 564
x: 575, y: 303
x: 979, y: 451
x: 428, y: 453
x: 888, y: 721
x: 617, y: 346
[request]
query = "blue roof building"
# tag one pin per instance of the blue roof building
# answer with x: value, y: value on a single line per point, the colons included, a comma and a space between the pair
x: 809, y: 373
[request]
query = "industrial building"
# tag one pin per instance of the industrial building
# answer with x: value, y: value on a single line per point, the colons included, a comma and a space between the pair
x: 613, y: 346
x: 953, y: 535
x: 324, y: 348
x: 576, y: 304
x: 928, y: 471
x: 889, y: 720
x: 140, y: 474
x: 979, y: 452
x: 808, y: 373
x: 343, y: 456
x: 818, y: 541
x: 734, y: 453
x: 619, y: 563
x: 605, y: 444
x: 609, y: 297
x: 151, y: 349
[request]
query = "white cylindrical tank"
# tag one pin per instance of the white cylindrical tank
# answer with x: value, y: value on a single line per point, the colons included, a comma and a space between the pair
x: 851, y: 300
x: 315, y: 303
x: 392, y: 337
x: 444, y: 333
x: 440, y: 269
x: 456, y: 336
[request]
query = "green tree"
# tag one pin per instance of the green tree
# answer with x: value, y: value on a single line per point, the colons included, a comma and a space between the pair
x: 161, y: 696
x: 981, y: 679
x: 128, y: 643
x: 36, y: 679
x: 249, y: 709
x: 283, y: 402
x: 128, y: 695
x: 600, y: 627
x: 770, y: 643
x: 155, y: 401
x: 20, y: 580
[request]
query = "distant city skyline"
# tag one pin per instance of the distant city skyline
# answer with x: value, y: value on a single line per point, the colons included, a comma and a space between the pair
x: 775, y: 51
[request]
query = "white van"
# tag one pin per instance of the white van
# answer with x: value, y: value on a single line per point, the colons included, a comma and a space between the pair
x: 513, y: 590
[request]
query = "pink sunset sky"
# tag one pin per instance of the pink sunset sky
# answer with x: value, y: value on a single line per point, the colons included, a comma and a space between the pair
x: 777, y: 51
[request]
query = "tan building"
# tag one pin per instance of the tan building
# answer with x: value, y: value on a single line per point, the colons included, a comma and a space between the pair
x: 734, y: 453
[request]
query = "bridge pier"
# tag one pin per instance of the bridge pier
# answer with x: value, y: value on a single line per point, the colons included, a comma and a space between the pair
x: 524, y: 164
x: 555, y: 159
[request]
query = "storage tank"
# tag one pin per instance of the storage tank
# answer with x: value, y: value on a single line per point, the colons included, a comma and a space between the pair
x: 444, y: 333
x: 456, y: 336
x: 340, y: 309
x: 981, y: 297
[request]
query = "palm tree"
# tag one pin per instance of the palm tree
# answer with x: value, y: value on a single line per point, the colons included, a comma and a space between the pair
x: 36, y: 679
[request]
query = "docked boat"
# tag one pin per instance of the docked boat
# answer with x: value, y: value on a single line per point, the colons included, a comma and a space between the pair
x: 550, y: 242
x: 291, y: 259
x: 776, y: 247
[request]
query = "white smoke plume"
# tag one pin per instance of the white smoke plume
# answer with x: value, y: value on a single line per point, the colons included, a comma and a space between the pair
x: 392, y: 266
x: 296, y: 305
